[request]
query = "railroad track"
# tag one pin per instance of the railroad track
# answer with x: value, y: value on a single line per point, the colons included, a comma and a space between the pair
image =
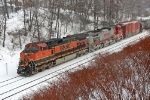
x: 11, y: 81
x: 9, y: 93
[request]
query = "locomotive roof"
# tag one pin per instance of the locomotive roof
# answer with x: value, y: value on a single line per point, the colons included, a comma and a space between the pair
x: 128, y: 22
x: 42, y: 45
x: 78, y: 36
x: 53, y: 39
x: 101, y: 30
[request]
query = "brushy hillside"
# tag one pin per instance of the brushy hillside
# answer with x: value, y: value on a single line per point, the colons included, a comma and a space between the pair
x: 123, y: 75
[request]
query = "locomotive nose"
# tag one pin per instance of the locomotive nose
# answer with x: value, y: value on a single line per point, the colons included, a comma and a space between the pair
x: 21, y: 69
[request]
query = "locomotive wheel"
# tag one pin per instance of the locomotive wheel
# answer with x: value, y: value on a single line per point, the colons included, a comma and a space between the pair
x: 86, y: 52
x: 96, y: 48
x: 113, y: 41
x: 122, y: 38
x: 43, y: 68
x: 28, y: 72
x: 54, y: 63
x: 35, y: 71
x: 102, y: 45
x: 78, y: 55
x: 49, y: 65
x: 18, y: 71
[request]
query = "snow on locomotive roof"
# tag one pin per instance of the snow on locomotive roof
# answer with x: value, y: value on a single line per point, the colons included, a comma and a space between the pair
x: 42, y: 45
x: 104, y: 29
x: 125, y: 23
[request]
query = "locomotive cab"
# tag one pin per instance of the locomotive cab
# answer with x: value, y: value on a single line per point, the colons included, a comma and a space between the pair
x: 31, y: 49
x: 118, y: 30
x: 26, y: 58
x: 28, y: 54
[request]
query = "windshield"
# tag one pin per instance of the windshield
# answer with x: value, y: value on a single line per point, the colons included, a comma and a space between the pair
x: 27, y: 48
x: 20, y: 61
x: 30, y: 50
x: 35, y: 49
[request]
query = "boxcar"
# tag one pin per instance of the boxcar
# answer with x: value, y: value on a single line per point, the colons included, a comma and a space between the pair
x: 130, y: 28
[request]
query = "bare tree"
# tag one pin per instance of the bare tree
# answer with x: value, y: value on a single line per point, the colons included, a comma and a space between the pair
x: 11, y: 6
x: 50, y: 22
x: 6, y: 8
x: 4, y: 14
x: 36, y: 18
x: 20, y: 43
x: 24, y: 17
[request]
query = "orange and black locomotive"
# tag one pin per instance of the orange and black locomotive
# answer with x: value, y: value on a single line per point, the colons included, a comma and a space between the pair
x: 38, y: 56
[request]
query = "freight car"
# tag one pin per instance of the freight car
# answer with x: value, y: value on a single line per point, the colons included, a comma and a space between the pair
x: 39, y: 56
x: 129, y: 28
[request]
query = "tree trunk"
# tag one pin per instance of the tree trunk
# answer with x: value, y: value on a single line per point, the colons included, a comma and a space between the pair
x: 104, y: 10
x: 20, y: 44
x: 6, y: 8
x: 4, y: 33
x: 95, y: 15
x: 58, y: 35
x: 4, y: 14
x: 37, y: 24
x: 11, y: 6
x: 24, y: 19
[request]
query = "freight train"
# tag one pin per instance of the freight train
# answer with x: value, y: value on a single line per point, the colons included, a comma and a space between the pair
x: 38, y: 56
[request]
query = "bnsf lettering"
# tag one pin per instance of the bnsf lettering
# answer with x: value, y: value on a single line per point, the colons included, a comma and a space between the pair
x: 106, y: 35
x: 64, y: 47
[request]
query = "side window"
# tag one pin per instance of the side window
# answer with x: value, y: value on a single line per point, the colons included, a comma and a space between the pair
x: 35, y: 48
x: 27, y: 48
x: 44, y: 48
x: 52, y: 51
